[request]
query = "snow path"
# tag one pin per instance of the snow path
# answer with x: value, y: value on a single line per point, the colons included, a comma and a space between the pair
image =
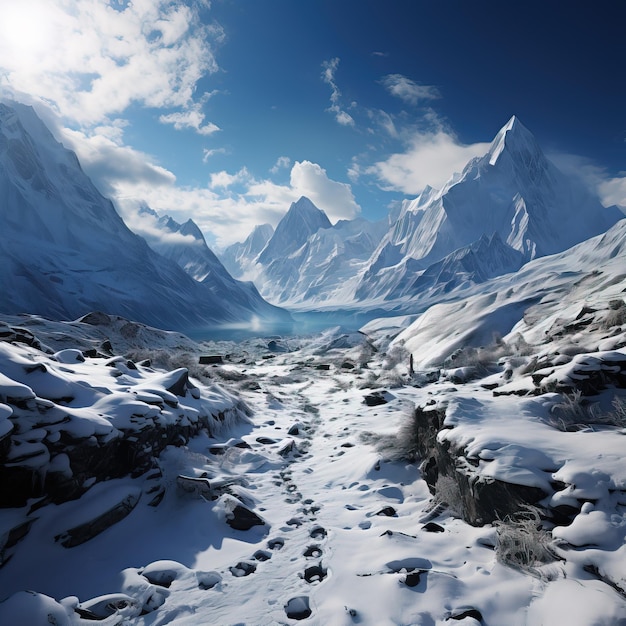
x: 345, y: 530
x: 345, y: 539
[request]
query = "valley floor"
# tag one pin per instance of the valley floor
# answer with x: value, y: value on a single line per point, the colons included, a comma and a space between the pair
x: 351, y: 536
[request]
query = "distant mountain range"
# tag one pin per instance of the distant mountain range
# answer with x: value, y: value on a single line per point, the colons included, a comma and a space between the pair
x: 65, y: 251
x: 504, y: 209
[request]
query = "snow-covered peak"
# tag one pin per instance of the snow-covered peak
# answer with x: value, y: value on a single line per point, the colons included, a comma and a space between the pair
x: 190, y: 228
x: 513, y: 138
x: 302, y: 220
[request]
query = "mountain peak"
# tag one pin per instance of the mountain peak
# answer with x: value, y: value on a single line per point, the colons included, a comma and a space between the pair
x: 302, y: 220
x: 513, y: 138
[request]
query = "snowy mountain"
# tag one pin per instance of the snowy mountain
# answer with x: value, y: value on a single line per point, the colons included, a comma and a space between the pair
x: 190, y: 251
x: 324, y: 267
x: 302, y: 220
x: 239, y: 257
x: 308, y: 259
x: 65, y: 251
x: 513, y: 190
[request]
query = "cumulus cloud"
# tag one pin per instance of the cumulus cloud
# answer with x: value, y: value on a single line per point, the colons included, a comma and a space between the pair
x: 228, y: 217
x: 93, y: 60
x: 107, y: 161
x: 224, y: 180
x: 328, y: 76
x: 430, y: 158
x: 336, y: 198
x: 408, y: 90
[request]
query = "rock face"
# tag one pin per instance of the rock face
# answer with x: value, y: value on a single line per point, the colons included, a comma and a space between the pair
x: 60, y: 433
x: 478, y: 501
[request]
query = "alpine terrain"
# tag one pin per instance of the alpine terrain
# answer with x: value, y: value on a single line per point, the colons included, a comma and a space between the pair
x: 65, y: 251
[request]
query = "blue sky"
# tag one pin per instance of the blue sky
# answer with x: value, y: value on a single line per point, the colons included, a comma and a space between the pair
x: 227, y: 111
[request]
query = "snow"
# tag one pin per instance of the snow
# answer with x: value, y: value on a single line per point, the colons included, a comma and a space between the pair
x: 344, y: 523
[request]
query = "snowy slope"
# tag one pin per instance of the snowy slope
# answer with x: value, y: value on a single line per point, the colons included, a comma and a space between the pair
x: 239, y: 257
x: 513, y: 190
x: 324, y: 267
x: 527, y: 303
x: 65, y: 250
x: 191, y: 252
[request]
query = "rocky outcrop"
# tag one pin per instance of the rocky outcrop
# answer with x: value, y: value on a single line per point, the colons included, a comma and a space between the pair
x: 451, y: 475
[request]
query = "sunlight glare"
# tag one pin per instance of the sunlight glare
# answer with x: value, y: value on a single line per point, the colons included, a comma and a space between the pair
x: 25, y: 29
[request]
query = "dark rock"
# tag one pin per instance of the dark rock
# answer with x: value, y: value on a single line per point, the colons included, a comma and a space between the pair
x: 243, y: 518
x: 412, y: 579
x: 482, y: 502
x: 323, y: 367
x: 294, y: 430
x: 243, y: 568
x: 431, y: 527
x: 211, y: 359
x: 473, y: 613
x: 265, y: 440
x: 347, y: 365
x: 106, y: 347
x: 375, y: 399
x: 388, y: 511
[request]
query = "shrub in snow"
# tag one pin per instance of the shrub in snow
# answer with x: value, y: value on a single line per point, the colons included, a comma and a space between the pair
x: 575, y: 412
x: 523, y: 543
x: 448, y: 493
x: 616, y: 315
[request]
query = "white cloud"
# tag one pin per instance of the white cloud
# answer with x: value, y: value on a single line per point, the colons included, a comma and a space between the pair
x: 108, y: 162
x: 610, y: 189
x: 193, y: 118
x: 408, y: 90
x: 429, y: 159
x: 282, y: 162
x: 224, y: 180
x: 148, y: 227
x: 207, y: 154
x: 613, y: 191
x: 328, y: 76
x: 335, y: 198
x: 93, y: 61
x: 226, y: 218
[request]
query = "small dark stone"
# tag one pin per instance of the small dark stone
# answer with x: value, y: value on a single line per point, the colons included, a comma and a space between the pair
x: 324, y: 367
x: 375, y: 399
x: 389, y: 511
x: 431, y: 527
x: 211, y: 359
x: 474, y: 613
x: 244, y: 519
x: 413, y: 579
x: 294, y: 430
x: 265, y: 440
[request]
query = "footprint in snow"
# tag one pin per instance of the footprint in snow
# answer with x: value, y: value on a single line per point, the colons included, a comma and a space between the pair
x: 314, y: 573
x: 318, y: 532
x: 243, y: 568
x: 276, y: 544
x: 313, y: 551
